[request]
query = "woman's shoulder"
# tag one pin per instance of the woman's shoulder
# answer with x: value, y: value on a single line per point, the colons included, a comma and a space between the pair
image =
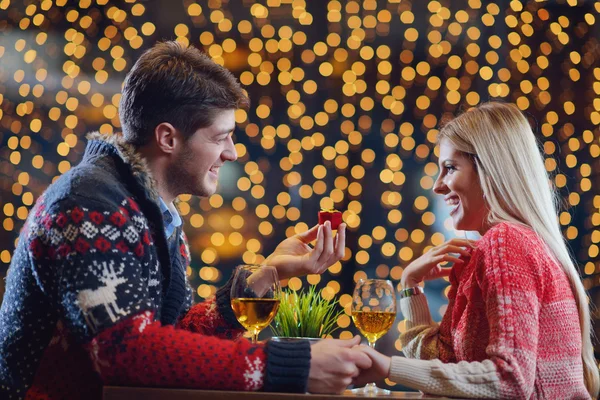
x: 516, y: 244
x: 510, y: 235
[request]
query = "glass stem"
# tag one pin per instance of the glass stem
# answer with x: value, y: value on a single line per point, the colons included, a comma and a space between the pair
x: 371, y: 386
x: 255, y: 336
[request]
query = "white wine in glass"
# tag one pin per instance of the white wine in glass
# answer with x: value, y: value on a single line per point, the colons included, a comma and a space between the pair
x: 255, y: 297
x: 373, y: 313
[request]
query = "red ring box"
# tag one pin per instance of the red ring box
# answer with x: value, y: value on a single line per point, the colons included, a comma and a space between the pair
x: 333, y: 216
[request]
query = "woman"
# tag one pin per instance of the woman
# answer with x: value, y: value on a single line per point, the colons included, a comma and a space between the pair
x: 517, y: 323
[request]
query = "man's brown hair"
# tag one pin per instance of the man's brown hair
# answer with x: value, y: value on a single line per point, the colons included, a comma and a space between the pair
x: 179, y: 85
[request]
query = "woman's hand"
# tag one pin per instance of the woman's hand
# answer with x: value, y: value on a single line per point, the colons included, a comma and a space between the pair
x: 380, y: 369
x: 427, y: 266
x: 294, y: 256
x: 334, y: 363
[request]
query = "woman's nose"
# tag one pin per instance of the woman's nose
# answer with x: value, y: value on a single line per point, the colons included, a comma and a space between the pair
x: 439, y: 187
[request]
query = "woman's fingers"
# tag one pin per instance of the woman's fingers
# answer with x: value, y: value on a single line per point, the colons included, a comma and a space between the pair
x: 459, y: 246
x: 447, y: 258
x: 438, y: 272
x: 462, y: 242
x: 449, y: 248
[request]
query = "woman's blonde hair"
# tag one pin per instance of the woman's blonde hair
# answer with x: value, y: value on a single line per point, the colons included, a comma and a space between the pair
x: 517, y: 189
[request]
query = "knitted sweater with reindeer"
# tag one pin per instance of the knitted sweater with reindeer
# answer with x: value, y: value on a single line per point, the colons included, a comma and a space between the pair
x: 94, y: 296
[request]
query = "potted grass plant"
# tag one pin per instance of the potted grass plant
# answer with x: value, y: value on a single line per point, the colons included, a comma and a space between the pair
x: 305, y: 315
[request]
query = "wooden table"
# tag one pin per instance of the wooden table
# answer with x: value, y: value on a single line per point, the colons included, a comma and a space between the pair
x: 134, y: 393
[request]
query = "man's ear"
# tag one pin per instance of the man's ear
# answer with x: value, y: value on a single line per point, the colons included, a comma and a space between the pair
x: 166, y: 137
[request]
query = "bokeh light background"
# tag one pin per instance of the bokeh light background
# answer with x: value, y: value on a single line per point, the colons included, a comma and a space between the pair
x: 347, y: 97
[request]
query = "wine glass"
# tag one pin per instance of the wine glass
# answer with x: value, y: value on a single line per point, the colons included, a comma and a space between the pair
x: 255, y: 297
x: 373, y: 313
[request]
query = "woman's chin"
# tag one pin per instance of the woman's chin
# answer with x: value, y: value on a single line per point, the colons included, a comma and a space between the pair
x: 457, y: 223
x: 461, y: 225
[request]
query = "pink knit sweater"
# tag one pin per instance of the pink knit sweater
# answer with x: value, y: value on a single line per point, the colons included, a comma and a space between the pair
x: 511, y: 329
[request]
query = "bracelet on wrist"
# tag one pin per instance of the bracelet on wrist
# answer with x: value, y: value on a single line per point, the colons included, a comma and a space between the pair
x: 411, y: 291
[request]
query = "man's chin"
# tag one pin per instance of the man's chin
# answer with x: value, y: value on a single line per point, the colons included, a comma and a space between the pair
x: 206, y: 190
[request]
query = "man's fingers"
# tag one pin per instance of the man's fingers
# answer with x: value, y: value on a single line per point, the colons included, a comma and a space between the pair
x: 327, y: 243
x: 309, y: 235
x: 366, y: 350
x: 361, y: 359
x: 348, y: 342
x: 338, y: 249
x: 340, y: 242
x: 318, y: 249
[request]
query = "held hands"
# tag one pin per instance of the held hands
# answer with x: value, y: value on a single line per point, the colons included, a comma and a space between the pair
x: 335, y: 363
x: 427, y: 266
x: 294, y: 256
x: 380, y: 368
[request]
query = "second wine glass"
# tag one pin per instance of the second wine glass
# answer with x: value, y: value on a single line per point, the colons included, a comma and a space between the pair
x: 255, y: 297
x: 373, y: 313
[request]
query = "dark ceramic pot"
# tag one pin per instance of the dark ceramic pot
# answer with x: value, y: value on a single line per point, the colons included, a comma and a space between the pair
x: 294, y: 339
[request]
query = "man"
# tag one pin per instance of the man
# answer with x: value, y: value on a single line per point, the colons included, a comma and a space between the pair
x: 96, y: 292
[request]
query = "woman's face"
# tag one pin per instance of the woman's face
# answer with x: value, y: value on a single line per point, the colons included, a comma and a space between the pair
x: 459, y: 183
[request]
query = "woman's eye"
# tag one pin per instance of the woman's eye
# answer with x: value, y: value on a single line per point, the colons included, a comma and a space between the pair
x: 450, y: 168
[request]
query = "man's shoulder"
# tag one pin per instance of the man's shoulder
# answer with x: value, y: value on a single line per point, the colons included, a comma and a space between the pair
x: 87, y: 181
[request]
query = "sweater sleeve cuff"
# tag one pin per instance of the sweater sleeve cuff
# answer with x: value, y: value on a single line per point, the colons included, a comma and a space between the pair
x: 415, y: 310
x: 223, y: 297
x: 288, y: 365
x: 410, y: 372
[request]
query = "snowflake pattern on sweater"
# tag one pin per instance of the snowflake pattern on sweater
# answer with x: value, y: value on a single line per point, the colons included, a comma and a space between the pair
x: 88, y: 261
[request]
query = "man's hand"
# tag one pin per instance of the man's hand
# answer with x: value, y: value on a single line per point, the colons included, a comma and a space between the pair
x: 334, y: 364
x: 380, y: 368
x: 294, y: 256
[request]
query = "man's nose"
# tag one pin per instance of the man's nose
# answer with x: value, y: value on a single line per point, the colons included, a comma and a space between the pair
x: 230, y: 153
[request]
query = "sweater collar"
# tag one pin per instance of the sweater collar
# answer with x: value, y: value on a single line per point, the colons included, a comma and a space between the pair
x: 114, y: 145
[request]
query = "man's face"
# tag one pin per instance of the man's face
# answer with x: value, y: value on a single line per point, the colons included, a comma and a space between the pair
x: 195, y: 169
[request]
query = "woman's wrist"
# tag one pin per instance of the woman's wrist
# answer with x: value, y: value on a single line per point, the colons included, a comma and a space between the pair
x: 411, y: 291
x: 408, y: 282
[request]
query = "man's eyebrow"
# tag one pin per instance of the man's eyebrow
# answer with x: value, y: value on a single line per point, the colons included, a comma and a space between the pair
x: 225, y: 131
